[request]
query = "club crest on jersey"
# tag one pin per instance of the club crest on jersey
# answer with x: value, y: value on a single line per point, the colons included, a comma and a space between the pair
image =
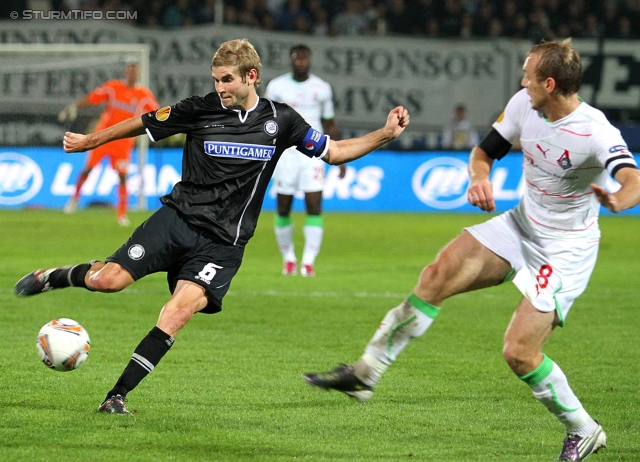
x: 563, y: 161
x: 239, y: 150
x: 163, y: 113
x: 136, y: 252
x: 270, y: 127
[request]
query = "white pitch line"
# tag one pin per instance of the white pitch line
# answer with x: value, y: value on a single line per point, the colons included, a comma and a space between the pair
x: 317, y: 294
x: 284, y: 293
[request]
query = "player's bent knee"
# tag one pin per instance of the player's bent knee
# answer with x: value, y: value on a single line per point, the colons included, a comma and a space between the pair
x: 174, y: 316
x: 180, y: 316
x: 105, y: 284
x: 186, y: 307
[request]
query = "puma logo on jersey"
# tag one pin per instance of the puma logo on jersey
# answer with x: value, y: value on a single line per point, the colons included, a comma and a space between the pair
x: 544, y: 153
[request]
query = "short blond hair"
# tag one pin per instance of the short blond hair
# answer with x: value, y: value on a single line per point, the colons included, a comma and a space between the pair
x: 239, y: 54
x: 561, y: 62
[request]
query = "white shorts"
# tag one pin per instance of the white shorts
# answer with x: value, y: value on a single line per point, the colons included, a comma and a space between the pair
x: 297, y: 172
x: 551, y: 273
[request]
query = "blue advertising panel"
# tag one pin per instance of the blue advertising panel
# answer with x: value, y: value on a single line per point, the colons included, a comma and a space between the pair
x: 384, y: 181
x: 46, y: 177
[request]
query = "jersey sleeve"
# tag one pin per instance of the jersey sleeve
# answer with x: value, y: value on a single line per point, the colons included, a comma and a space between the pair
x: 169, y: 120
x: 509, y: 122
x: 101, y: 94
x: 314, y: 144
x: 305, y: 138
x: 612, y: 151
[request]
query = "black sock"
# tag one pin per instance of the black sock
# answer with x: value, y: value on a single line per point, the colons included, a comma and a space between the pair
x: 145, y: 358
x: 69, y: 276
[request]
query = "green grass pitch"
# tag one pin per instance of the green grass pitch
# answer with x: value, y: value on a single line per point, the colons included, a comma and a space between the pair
x: 231, y: 387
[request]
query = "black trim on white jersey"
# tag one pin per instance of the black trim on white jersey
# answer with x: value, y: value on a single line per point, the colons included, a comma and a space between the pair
x: 621, y: 161
x: 495, y: 145
x: 621, y: 156
x: 618, y: 167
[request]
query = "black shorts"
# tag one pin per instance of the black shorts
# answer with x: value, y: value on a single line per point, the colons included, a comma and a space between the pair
x: 165, y: 242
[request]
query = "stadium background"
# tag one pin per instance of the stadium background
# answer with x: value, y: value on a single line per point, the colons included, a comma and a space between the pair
x: 394, y: 57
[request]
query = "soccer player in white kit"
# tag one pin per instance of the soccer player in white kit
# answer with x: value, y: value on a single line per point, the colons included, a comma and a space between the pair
x: 549, y: 241
x: 312, y: 98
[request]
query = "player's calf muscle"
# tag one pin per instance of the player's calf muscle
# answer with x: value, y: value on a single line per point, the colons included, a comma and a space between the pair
x: 109, y: 278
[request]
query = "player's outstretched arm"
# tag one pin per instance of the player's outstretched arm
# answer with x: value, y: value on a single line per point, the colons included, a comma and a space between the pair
x: 70, y: 111
x: 480, y: 192
x: 75, y: 142
x: 626, y: 197
x: 346, y: 150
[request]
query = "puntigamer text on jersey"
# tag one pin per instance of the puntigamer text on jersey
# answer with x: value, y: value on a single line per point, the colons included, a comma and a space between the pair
x: 240, y: 150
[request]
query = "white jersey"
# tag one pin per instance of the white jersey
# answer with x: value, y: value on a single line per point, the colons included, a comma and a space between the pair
x: 312, y: 99
x: 561, y: 160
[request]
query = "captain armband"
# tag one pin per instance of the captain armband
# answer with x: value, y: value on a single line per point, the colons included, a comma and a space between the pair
x: 314, y: 144
x: 494, y: 145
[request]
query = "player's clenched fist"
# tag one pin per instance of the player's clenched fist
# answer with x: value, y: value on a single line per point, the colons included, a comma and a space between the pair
x: 480, y: 194
x: 74, y: 142
x: 397, y: 121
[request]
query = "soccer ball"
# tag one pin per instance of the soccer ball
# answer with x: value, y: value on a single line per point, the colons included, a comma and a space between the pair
x: 63, y: 344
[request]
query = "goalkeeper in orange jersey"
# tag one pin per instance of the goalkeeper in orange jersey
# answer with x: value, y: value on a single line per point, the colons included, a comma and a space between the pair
x: 122, y: 99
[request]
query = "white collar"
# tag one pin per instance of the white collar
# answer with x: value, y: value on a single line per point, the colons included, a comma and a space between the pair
x: 240, y: 111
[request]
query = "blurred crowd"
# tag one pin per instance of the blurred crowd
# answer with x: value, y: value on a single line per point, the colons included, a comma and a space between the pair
x: 533, y: 20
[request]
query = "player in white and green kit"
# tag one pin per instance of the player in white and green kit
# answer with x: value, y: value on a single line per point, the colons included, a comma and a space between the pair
x: 312, y: 98
x: 549, y: 241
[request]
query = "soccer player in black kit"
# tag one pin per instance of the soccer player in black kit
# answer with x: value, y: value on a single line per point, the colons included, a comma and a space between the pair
x: 234, y: 140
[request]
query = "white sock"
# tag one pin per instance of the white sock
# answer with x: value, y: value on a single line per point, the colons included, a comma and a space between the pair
x: 410, y: 319
x: 397, y: 328
x: 312, y: 242
x: 284, y: 239
x: 369, y: 369
x: 551, y: 388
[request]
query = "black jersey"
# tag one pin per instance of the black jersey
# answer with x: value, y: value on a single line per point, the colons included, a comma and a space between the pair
x: 228, y: 159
